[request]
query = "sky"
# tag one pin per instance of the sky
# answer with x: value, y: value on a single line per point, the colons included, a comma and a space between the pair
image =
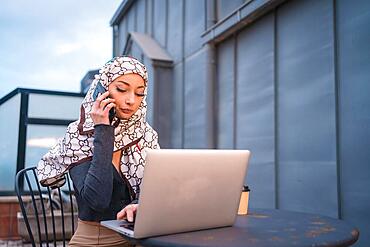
x: 50, y: 44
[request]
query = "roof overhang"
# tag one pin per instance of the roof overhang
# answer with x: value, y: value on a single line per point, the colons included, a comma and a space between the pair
x: 150, y: 47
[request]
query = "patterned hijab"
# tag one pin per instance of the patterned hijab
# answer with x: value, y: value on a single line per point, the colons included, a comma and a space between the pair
x: 133, y: 136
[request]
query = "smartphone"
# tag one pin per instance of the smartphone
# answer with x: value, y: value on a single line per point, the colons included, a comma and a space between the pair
x: 99, y: 90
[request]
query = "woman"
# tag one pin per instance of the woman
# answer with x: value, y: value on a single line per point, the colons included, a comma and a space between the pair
x: 105, y: 156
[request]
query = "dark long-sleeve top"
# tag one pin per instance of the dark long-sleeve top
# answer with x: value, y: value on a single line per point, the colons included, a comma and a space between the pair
x: 100, y: 190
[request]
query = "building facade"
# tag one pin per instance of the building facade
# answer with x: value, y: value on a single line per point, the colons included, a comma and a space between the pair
x: 288, y: 80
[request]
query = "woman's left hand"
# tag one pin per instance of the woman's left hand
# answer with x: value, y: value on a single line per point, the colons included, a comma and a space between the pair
x: 128, y: 212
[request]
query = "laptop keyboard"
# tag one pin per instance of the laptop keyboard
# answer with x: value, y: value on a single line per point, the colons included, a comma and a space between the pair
x: 128, y: 225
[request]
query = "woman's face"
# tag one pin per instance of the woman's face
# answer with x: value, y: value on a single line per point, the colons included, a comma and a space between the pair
x: 128, y: 92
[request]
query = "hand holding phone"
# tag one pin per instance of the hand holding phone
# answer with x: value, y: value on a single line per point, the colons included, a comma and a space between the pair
x: 99, y: 90
x: 103, y: 108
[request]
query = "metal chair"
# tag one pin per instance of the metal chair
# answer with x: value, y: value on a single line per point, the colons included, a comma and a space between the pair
x: 44, y: 208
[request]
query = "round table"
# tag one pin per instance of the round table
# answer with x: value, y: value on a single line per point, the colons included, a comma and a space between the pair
x: 266, y: 227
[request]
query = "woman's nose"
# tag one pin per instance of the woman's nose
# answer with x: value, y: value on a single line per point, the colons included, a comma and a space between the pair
x: 130, y: 99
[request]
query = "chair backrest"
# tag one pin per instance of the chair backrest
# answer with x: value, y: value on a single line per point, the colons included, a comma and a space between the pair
x: 47, y: 214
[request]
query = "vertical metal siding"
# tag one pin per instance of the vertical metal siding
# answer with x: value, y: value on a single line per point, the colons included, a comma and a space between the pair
x: 225, y: 7
x: 353, y: 38
x: 177, y: 107
x: 159, y: 20
x: 306, y: 108
x: 149, y: 16
x: 194, y: 25
x: 140, y: 16
x: 225, y: 94
x: 131, y: 19
x: 151, y: 86
x: 122, y: 27
x: 195, y: 121
x: 175, y: 32
x: 255, y: 107
x: 136, y: 52
x: 290, y: 73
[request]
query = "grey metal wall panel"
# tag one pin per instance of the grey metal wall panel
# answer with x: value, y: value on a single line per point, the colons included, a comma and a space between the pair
x: 353, y: 35
x: 225, y: 94
x: 195, y: 115
x: 306, y: 129
x: 149, y: 16
x: 163, y: 104
x: 151, y: 86
x: 226, y: 7
x: 131, y: 18
x: 175, y: 32
x: 122, y: 27
x: 177, y: 127
x: 194, y: 25
x: 141, y: 16
x: 136, y: 52
x: 308, y: 187
x: 159, y: 21
x: 255, y: 107
x: 306, y: 107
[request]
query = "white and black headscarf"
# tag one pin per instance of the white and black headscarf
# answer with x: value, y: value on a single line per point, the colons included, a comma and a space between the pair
x: 133, y: 135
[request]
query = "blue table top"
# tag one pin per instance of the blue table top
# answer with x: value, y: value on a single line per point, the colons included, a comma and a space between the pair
x: 267, y: 227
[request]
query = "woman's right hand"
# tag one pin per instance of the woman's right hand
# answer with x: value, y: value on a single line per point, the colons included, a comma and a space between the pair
x: 128, y: 213
x: 100, y: 109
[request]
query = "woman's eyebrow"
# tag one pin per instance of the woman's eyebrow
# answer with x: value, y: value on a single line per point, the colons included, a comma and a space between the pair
x: 128, y: 84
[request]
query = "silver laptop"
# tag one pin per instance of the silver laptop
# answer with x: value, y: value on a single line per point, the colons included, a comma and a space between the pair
x: 187, y: 190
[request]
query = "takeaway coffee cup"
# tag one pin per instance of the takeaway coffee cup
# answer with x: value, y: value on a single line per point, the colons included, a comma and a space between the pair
x: 243, y: 204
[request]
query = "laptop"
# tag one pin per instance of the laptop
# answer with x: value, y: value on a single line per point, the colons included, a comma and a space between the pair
x: 186, y: 190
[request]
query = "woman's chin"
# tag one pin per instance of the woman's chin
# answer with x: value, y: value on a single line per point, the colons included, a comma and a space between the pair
x: 123, y: 116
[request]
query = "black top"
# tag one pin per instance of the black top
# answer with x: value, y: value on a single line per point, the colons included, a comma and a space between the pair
x: 100, y: 190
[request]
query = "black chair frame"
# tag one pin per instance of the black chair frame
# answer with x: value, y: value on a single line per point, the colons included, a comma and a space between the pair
x: 38, y: 194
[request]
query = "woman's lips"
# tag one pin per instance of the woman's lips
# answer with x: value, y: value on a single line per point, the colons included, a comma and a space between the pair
x: 126, y: 111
